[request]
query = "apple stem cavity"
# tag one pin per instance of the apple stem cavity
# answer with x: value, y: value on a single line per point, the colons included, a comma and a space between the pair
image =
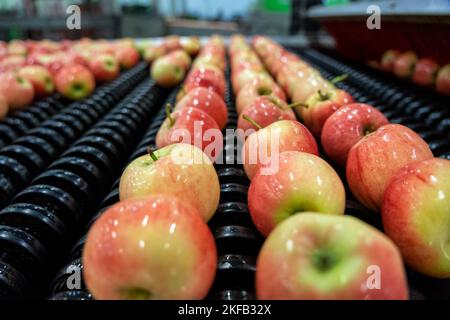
x: 323, y: 96
x: 298, y: 104
x: 253, y: 122
x: 168, y: 114
x: 340, y: 78
x: 152, y: 154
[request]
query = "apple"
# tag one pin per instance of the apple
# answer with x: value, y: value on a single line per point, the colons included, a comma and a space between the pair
x: 192, y: 45
x: 280, y: 136
x: 191, y: 126
x: 299, y: 182
x: 345, y: 127
x: 40, y: 78
x: 3, y: 107
x: 17, y: 47
x: 256, y: 89
x: 239, y: 80
x: 210, y: 59
x: 443, y: 80
x: 304, y: 88
x: 405, y: 63
x: 18, y: 92
x: 149, y: 248
x: 180, y: 170
x: 313, y: 256
x: 153, y: 52
x: 425, y: 72
x: 264, y: 111
x: 416, y: 213
x: 373, y: 161
x: 12, y: 63
x: 207, y: 101
x: 128, y: 56
x: 75, y: 82
x: 388, y: 59
x: 206, y: 78
x: 181, y: 58
x: 320, y: 106
x: 172, y: 43
x: 165, y: 73
x: 105, y: 67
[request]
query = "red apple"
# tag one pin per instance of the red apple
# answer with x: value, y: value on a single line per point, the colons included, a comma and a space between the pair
x: 40, y: 78
x: 345, y: 127
x: 150, y: 248
x: 12, y: 63
x: 375, y: 158
x: 404, y: 64
x: 153, y: 52
x: 105, y: 67
x: 3, y: 107
x: 280, y: 136
x: 388, y: 59
x: 207, y: 101
x: 181, y: 58
x: 18, y: 92
x: 425, y: 72
x: 210, y: 59
x: 320, y: 106
x: 206, y: 78
x: 416, y: 215
x: 302, y: 88
x: 181, y: 170
x: 165, y: 73
x: 264, y: 111
x: 293, y: 182
x: 75, y: 82
x: 172, y: 43
x: 191, y: 126
x: 128, y: 56
x: 313, y: 256
x: 17, y: 47
x: 256, y: 89
x: 443, y: 80
x: 241, y: 79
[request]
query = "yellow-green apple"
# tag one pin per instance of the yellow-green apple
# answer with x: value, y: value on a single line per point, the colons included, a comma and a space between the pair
x: 3, y: 106
x: 425, y: 72
x: 155, y: 248
x: 321, y: 105
x: 128, y: 56
x: 443, y: 80
x: 206, y: 78
x: 291, y: 183
x: 388, y: 59
x: 404, y: 64
x: 345, y: 127
x: 191, y: 45
x: 165, y: 73
x: 303, y: 88
x: 314, y: 256
x: 207, y: 101
x: 280, y: 136
x: 40, y: 78
x: 181, y: 170
x: 192, y: 126
x: 264, y: 111
x: 373, y: 161
x: 105, y: 67
x: 153, y: 52
x: 416, y: 215
x: 254, y: 90
x: 75, y: 82
x: 18, y: 92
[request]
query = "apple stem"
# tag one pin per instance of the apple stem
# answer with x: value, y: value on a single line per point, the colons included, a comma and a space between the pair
x: 253, y: 122
x: 152, y: 154
x: 168, y: 114
x: 340, y: 78
x: 298, y: 104
x: 323, y: 96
